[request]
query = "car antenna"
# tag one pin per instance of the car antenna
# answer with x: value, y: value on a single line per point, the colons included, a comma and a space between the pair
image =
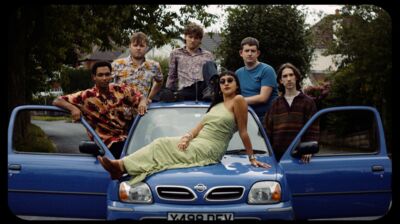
x: 195, y: 81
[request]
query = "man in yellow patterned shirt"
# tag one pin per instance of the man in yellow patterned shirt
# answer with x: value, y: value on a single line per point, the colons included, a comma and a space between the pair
x: 137, y: 71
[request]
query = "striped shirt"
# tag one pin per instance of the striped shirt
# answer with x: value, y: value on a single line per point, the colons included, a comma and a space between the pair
x: 283, y: 122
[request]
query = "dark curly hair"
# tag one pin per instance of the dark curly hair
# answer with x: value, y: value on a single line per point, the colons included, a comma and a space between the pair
x: 100, y: 64
x: 194, y: 29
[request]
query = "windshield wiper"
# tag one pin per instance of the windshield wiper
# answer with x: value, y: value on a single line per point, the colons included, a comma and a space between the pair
x: 243, y: 152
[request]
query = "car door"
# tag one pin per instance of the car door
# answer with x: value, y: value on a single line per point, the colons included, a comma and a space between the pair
x: 47, y: 175
x: 350, y: 176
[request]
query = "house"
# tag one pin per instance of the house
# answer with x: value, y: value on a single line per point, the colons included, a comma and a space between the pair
x: 323, y: 64
x: 164, y: 51
x: 211, y: 42
x: 88, y: 60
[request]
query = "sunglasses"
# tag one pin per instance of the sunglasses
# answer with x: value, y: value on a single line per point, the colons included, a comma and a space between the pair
x: 222, y: 81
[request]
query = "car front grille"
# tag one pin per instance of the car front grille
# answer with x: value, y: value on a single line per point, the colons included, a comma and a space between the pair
x: 215, y: 194
x: 175, y: 193
x: 225, y: 193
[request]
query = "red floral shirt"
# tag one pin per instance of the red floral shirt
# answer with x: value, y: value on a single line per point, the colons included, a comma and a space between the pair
x: 110, y: 113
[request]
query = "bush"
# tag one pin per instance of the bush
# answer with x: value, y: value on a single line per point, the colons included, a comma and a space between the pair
x: 35, y: 141
x: 164, y: 63
x: 319, y: 94
x: 75, y: 79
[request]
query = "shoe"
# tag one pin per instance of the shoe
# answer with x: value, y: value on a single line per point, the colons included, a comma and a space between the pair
x: 166, y: 95
x: 112, y: 167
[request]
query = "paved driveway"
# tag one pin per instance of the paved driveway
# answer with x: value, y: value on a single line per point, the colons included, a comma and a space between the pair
x: 66, y: 136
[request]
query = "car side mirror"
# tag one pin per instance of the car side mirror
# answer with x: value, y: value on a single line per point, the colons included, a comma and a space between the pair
x: 306, y: 148
x: 90, y: 147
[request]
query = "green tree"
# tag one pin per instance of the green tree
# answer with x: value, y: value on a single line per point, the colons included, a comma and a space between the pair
x: 364, y: 39
x: 280, y: 29
x: 75, y: 79
x: 164, y: 63
x: 44, y: 37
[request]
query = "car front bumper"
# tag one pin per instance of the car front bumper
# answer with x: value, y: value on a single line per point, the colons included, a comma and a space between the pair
x: 121, y: 211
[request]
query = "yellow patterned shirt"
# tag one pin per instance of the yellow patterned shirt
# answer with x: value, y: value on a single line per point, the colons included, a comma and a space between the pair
x: 139, y: 76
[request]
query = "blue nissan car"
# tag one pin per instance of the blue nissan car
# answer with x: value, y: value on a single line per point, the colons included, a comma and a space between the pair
x: 53, y: 170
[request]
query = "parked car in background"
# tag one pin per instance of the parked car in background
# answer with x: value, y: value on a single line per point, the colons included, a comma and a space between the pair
x: 53, y: 170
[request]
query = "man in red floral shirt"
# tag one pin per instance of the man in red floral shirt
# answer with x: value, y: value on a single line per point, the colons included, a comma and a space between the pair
x: 109, y: 108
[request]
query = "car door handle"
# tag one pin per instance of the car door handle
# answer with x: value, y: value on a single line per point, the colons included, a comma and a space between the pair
x: 15, y: 167
x: 377, y: 168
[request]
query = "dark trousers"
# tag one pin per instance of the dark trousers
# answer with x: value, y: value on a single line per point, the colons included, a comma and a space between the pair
x: 116, y: 149
x: 189, y: 93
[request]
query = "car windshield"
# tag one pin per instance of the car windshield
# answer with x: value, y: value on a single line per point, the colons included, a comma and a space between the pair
x: 162, y: 122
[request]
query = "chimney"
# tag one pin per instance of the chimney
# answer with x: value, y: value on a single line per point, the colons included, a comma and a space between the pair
x: 337, y: 12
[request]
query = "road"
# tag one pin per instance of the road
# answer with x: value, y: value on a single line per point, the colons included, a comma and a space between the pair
x: 66, y: 136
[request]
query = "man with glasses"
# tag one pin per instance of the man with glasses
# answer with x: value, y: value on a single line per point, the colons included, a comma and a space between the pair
x: 257, y: 79
x: 107, y: 107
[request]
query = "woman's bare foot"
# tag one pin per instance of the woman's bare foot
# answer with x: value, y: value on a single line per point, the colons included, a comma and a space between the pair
x: 112, y: 166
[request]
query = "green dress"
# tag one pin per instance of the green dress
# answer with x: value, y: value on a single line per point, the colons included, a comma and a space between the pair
x: 208, y: 147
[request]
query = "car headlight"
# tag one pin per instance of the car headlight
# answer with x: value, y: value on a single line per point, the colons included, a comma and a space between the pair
x: 265, y: 192
x: 138, y: 193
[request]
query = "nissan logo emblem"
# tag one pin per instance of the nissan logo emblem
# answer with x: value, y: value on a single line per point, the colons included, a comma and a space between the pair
x: 200, y: 187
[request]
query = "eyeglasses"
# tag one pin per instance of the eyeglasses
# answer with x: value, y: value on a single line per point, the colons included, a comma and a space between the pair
x: 222, y: 81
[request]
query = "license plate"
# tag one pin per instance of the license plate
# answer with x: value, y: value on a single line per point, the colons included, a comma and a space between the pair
x: 200, y: 216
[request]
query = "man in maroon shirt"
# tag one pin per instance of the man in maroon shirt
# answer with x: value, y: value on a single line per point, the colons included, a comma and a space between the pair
x: 289, y: 112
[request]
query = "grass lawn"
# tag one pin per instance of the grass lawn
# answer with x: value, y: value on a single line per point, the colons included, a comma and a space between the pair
x: 52, y: 118
x: 35, y: 141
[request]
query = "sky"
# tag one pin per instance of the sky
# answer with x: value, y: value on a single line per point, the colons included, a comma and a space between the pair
x: 311, y: 19
x: 325, y: 9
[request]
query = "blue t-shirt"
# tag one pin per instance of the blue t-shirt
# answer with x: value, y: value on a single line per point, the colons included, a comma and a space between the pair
x: 251, y: 82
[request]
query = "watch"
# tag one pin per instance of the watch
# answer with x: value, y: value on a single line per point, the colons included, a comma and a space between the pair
x: 252, y: 156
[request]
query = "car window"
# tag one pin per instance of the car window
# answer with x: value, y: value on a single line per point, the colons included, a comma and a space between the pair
x: 347, y: 133
x: 256, y: 138
x: 46, y: 131
x: 162, y: 122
